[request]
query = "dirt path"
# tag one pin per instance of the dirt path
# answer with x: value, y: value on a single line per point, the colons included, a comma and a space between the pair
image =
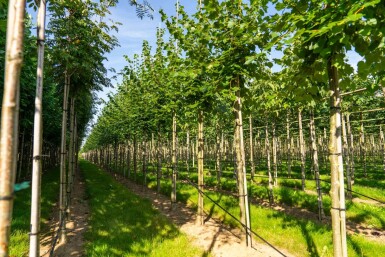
x: 213, y: 237
x: 76, y: 226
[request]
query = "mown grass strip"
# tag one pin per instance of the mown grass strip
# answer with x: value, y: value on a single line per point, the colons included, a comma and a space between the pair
x: 21, y: 212
x: 123, y: 224
x: 301, y: 237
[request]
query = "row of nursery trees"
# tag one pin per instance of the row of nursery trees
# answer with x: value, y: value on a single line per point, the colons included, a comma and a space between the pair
x: 216, y: 69
x: 79, y: 35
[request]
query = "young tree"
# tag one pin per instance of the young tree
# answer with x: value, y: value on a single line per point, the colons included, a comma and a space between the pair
x: 10, y: 117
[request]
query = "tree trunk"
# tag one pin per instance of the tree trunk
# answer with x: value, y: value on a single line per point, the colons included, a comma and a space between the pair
x: 275, y: 156
x: 10, y: 118
x: 173, y: 190
x: 188, y: 152
x: 134, y: 157
x: 159, y: 159
x: 200, y: 218
x: 34, y: 238
x: 382, y: 140
x: 362, y: 146
x: 241, y: 167
x: 252, y: 165
x: 288, y: 144
x: 302, y: 148
x: 268, y: 156
x: 346, y: 155
x: 63, y: 160
x: 218, y: 156
x: 351, y: 148
x: 336, y: 165
x: 21, y: 156
x: 70, y: 155
x: 313, y: 140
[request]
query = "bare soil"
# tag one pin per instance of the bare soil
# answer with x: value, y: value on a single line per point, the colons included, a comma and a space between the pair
x: 214, y: 237
x: 76, y: 226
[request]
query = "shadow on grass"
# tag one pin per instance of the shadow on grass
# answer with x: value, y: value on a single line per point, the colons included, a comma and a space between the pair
x: 306, y: 232
x: 21, y: 211
x: 121, y: 223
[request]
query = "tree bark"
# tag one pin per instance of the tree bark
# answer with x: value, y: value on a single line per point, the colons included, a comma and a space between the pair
x: 34, y: 237
x: 10, y: 118
x: 362, y: 146
x: 268, y: 157
x: 275, y: 181
x: 288, y: 144
x: 63, y: 160
x: 241, y: 167
x: 173, y: 190
x: 70, y: 155
x: 159, y: 160
x: 218, y: 155
x: 346, y: 155
x: 313, y: 140
x: 200, y: 218
x: 351, y: 148
x: 336, y: 165
x: 301, y: 148
x: 252, y: 164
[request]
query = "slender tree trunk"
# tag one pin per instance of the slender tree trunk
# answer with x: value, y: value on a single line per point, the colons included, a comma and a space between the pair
x: 10, y: 118
x: 351, y: 148
x: 275, y: 157
x: 70, y: 155
x: 134, y: 157
x: 173, y: 190
x: 302, y: 148
x: 362, y: 146
x: 188, y: 152
x: 200, y: 218
x: 268, y: 156
x: 382, y: 140
x: 313, y: 140
x: 76, y: 150
x: 63, y: 160
x: 159, y: 158
x: 241, y: 167
x: 252, y: 164
x: 288, y: 144
x: 336, y: 164
x: 346, y: 156
x: 34, y: 237
x: 218, y: 156
x: 21, y: 156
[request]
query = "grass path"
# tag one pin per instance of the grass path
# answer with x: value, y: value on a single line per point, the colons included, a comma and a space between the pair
x: 122, y: 224
x: 21, y: 212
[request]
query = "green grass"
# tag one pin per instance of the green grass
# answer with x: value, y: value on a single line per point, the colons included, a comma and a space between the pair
x: 21, y: 212
x: 122, y: 224
x: 299, y: 236
x: 289, y: 192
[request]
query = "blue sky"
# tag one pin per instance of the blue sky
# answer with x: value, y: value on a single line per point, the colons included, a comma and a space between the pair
x: 133, y: 31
